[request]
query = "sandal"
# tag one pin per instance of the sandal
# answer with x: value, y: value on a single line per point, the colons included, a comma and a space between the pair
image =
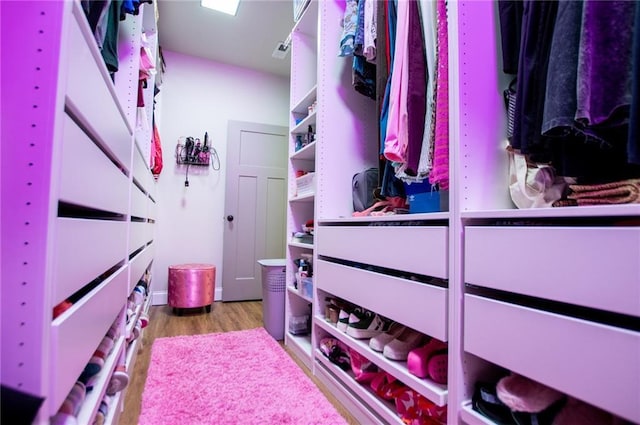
x: 486, y: 402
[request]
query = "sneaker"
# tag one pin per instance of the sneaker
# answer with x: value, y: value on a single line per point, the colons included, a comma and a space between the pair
x: 343, y: 318
x: 399, y: 348
x: 365, y: 324
x: 378, y: 342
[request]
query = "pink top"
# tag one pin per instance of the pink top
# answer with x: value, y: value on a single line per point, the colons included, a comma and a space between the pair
x: 396, y: 140
x: 440, y: 170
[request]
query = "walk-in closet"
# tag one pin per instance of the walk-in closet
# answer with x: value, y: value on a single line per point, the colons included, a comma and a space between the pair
x: 490, y: 275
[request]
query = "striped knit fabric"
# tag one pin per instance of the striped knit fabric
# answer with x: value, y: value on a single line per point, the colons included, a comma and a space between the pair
x: 440, y: 170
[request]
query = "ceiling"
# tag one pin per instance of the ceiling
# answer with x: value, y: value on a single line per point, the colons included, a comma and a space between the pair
x: 247, y: 39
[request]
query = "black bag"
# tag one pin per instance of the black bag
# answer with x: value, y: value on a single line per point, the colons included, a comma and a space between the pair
x: 363, y: 184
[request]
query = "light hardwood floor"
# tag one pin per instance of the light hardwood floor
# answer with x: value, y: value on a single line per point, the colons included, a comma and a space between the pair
x: 224, y: 317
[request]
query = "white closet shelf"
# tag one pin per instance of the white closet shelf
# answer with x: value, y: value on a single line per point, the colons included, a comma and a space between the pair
x: 301, y: 245
x: 132, y: 351
x: 92, y: 399
x: 302, y: 126
x: 437, y: 393
x: 399, y: 217
x: 297, y: 293
x: 300, y: 345
x: 304, y: 198
x: 471, y: 417
x: 307, y: 100
x: 385, y: 409
x: 568, y: 212
x: 308, y: 22
x: 115, y: 406
x: 307, y: 153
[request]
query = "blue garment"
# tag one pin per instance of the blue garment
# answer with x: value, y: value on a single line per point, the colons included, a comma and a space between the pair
x: 390, y: 185
x: 391, y: 42
x: 349, y: 25
x: 359, y: 37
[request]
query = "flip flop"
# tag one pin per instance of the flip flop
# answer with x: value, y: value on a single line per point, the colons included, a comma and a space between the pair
x: 486, y: 402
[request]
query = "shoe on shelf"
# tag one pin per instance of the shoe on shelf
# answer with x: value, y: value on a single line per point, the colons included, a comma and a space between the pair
x: 418, y: 360
x: 399, y: 348
x: 343, y: 320
x: 378, y: 342
x: 365, y: 324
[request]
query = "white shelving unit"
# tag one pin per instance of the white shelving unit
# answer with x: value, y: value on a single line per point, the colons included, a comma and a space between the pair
x: 301, y: 208
x: 500, y: 285
x: 79, y: 203
x: 534, y: 299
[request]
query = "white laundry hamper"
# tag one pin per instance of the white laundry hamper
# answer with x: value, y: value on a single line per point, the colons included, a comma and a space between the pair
x: 273, y: 289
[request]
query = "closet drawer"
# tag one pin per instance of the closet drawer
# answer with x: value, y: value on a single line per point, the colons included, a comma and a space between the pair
x: 84, y: 250
x: 139, y: 264
x: 140, y: 171
x: 416, y: 249
x: 597, y: 363
x: 91, y: 97
x: 594, y: 267
x: 151, y: 209
x: 87, y: 176
x: 420, y: 306
x: 139, y: 203
x: 76, y: 334
x: 139, y: 234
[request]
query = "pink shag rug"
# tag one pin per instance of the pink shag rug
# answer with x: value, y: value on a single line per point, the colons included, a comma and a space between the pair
x: 242, y: 377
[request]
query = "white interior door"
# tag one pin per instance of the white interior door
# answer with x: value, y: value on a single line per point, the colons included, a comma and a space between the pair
x: 255, y: 206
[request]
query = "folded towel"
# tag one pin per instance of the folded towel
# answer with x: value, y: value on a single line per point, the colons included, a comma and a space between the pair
x: 620, y: 192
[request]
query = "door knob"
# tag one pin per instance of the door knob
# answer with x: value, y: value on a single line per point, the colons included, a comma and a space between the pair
x: 229, y: 218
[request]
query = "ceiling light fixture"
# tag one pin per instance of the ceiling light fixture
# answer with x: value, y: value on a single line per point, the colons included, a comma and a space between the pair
x: 282, y: 48
x: 225, y: 6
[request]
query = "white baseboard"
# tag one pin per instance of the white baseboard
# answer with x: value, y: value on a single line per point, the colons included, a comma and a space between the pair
x: 162, y: 297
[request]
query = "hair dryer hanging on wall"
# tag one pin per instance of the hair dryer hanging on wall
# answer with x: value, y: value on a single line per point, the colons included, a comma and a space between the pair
x: 190, y: 151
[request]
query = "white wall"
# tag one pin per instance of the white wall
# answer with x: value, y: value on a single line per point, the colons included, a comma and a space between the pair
x: 199, y: 95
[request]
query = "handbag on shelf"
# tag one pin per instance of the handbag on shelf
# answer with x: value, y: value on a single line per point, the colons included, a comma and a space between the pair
x: 533, y: 185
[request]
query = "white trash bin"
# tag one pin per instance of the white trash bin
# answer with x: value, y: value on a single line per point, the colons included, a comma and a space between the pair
x: 273, y: 287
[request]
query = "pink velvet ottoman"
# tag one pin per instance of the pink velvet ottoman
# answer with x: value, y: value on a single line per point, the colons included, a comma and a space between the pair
x: 191, y: 286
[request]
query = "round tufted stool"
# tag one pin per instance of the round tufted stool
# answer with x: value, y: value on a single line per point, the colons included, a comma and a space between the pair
x: 191, y: 286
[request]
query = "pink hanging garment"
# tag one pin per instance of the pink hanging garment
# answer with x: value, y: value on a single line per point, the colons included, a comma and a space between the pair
x: 395, y: 144
x: 440, y: 170
x: 156, y: 153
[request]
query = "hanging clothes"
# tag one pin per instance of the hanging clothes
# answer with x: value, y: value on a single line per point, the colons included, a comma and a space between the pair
x: 440, y: 171
x: 428, y: 10
x: 511, y: 12
x: 390, y: 186
x: 537, y: 31
x: 110, y: 45
x: 633, y: 143
x: 370, y: 30
x: 364, y: 72
x: 416, y: 89
x: 397, y: 131
x: 604, y: 68
x: 156, y: 152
